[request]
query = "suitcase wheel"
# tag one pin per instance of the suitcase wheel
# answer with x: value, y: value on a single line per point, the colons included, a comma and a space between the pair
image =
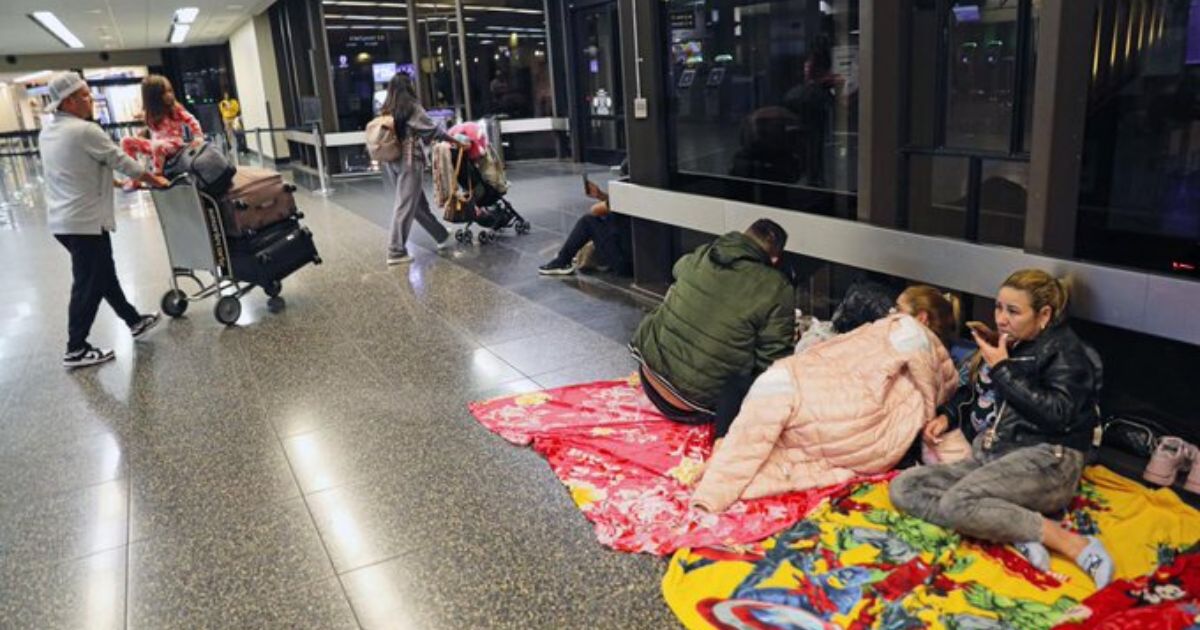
x: 317, y: 260
x: 174, y: 303
x: 273, y: 288
x: 228, y: 310
x: 240, y: 204
x: 276, y: 304
x: 289, y: 188
x: 299, y: 215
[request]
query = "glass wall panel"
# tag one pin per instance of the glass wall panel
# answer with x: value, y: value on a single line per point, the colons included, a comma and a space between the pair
x: 367, y: 45
x: 765, y: 92
x: 980, y: 74
x: 507, y: 62
x: 939, y: 189
x: 1140, y: 189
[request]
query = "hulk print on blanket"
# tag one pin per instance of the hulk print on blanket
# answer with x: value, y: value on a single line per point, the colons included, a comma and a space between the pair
x: 855, y: 562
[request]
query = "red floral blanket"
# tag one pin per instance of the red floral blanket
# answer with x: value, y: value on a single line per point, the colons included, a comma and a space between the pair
x: 626, y: 467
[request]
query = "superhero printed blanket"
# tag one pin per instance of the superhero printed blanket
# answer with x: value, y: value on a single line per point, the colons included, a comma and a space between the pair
x: 628, y: 468
x: 855, y: 562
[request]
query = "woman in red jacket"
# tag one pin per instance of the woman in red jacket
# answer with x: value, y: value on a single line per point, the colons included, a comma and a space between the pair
x: 166, y: 120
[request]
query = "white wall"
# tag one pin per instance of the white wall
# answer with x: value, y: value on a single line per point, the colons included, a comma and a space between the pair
x: 8, y: 108
x: 257, y: 82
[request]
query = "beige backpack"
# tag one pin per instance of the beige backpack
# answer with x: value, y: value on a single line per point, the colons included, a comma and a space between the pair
x: 382, y: 144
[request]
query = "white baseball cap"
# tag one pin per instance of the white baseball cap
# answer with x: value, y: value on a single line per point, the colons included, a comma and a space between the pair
x: 62, y: 85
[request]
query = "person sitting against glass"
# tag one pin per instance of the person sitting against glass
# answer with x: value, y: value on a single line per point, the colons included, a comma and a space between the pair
x: 606, y: 231
x: 1030, y: 410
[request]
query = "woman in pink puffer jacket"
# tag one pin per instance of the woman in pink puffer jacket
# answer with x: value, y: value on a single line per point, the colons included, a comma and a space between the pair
x: 850, y: 406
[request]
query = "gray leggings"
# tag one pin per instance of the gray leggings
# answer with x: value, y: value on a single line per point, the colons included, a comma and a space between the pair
x: 995, y: 498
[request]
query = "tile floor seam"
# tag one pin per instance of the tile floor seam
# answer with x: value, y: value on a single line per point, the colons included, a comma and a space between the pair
x: 312, y: 519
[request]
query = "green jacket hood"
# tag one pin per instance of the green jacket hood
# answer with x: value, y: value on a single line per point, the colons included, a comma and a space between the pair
x: 736, y: 246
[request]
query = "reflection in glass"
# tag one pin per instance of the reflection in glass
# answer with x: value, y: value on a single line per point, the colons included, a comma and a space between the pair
x: 1139, y: 202
x: 766, y: 91
x: 980, y: 74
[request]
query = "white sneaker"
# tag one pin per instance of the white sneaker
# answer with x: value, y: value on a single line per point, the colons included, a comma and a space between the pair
x: 147, y: 323
x: 88, y: 356
x: 399, y: 260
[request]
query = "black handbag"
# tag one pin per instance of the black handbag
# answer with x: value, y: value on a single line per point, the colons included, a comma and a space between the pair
x: 1133, y: 435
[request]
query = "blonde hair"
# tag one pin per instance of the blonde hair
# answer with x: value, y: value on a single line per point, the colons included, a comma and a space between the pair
x: 943, y: 309
x: 1043, y: 290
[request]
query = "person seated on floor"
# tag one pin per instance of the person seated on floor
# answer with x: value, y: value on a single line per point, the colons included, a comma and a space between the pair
x: 847, y: 407
x: 1030, y: 410
x: 728, y: 317
x: 607, y: 231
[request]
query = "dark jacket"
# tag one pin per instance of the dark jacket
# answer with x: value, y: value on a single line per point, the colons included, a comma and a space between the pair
x: 729, y: 313
x: 1048, y: 391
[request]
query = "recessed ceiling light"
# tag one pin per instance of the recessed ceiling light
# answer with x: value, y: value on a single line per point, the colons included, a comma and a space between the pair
x: 186, y: 15
x: 179, y: 33
x: 55, y: 27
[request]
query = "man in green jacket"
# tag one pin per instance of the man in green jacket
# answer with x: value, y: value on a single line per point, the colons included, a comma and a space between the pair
x: 727, y: 318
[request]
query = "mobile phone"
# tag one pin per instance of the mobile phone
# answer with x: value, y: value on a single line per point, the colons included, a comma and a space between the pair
x: 984, y: 331
x: 587, y: 186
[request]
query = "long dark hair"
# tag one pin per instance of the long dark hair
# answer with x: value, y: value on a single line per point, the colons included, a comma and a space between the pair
x: 153, y: 89
x: 401, y: 102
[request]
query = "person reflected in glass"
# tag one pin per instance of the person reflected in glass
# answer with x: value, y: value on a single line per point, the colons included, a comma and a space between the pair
x: 812, y: 101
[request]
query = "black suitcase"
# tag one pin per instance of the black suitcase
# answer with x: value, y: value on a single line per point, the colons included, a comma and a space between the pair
x: 269, y: 256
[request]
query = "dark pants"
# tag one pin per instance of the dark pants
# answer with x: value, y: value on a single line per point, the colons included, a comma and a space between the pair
x: 729, y: 404
x: 607, y: 232
x: 95, y: 278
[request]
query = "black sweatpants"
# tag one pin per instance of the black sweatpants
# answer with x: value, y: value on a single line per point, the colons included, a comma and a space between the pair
x: 94, y: 278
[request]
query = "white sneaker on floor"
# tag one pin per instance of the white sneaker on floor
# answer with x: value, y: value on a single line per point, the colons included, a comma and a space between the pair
x: 88, y: 356
x: 147, y: 323
x: 399, y: 260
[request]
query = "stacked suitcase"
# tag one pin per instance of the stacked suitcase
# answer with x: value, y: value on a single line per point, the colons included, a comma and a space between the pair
x: 267, y: 243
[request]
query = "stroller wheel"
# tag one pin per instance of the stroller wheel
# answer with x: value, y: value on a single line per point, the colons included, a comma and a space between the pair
x: 523, y: 226
x: 486, y: 237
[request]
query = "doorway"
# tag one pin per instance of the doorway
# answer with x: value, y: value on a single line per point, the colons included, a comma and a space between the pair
x: 598, y: 94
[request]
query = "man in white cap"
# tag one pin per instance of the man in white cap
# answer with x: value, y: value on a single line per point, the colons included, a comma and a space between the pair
x: 79, y: 158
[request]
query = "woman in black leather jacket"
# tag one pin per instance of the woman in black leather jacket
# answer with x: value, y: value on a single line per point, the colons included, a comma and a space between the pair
x: 1030, y: 411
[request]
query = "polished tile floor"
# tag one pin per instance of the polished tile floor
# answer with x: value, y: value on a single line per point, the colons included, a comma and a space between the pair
x: 315, y: 468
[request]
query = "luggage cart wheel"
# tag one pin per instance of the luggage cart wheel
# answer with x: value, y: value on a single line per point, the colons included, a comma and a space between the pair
x: 522, y: 227
x: 276, y: 304
x: 486, y: 237
x: 174, y: 303
x: 273, y: 288
x: 228, y: 310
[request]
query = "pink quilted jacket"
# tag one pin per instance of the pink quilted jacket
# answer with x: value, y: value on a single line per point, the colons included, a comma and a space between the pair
x: 847, y: 407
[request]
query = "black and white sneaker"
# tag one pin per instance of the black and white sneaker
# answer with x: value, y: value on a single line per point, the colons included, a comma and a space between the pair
x: 88, y: 356
x: 555, y: 268
x: 147, y: 323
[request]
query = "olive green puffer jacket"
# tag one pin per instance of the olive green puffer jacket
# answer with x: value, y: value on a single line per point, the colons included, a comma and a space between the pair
x: 729, y: 312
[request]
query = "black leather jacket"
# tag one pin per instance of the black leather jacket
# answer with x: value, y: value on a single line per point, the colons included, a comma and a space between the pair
x: 1048, y: 391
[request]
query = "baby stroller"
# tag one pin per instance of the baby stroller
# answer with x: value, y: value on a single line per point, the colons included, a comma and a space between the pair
x: 471, y: 192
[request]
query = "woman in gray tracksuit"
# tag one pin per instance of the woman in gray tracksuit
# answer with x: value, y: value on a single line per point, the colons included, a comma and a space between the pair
x: 1030, y: 411
x: 413, y: 126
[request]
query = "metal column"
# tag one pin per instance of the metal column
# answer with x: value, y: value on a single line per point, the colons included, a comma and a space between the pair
x: 462, y: 57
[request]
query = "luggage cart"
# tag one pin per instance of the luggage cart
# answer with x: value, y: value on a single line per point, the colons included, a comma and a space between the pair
x: 195, y: 237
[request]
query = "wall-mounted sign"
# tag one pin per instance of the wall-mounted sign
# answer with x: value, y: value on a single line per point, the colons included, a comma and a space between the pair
x: 683, y: 20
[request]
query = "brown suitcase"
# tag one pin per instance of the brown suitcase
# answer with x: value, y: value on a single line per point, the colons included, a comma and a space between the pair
x: 257, y: 199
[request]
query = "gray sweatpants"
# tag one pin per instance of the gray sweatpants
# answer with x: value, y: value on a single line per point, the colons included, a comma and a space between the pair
x: 995, y: 498
x: 409, y: 203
